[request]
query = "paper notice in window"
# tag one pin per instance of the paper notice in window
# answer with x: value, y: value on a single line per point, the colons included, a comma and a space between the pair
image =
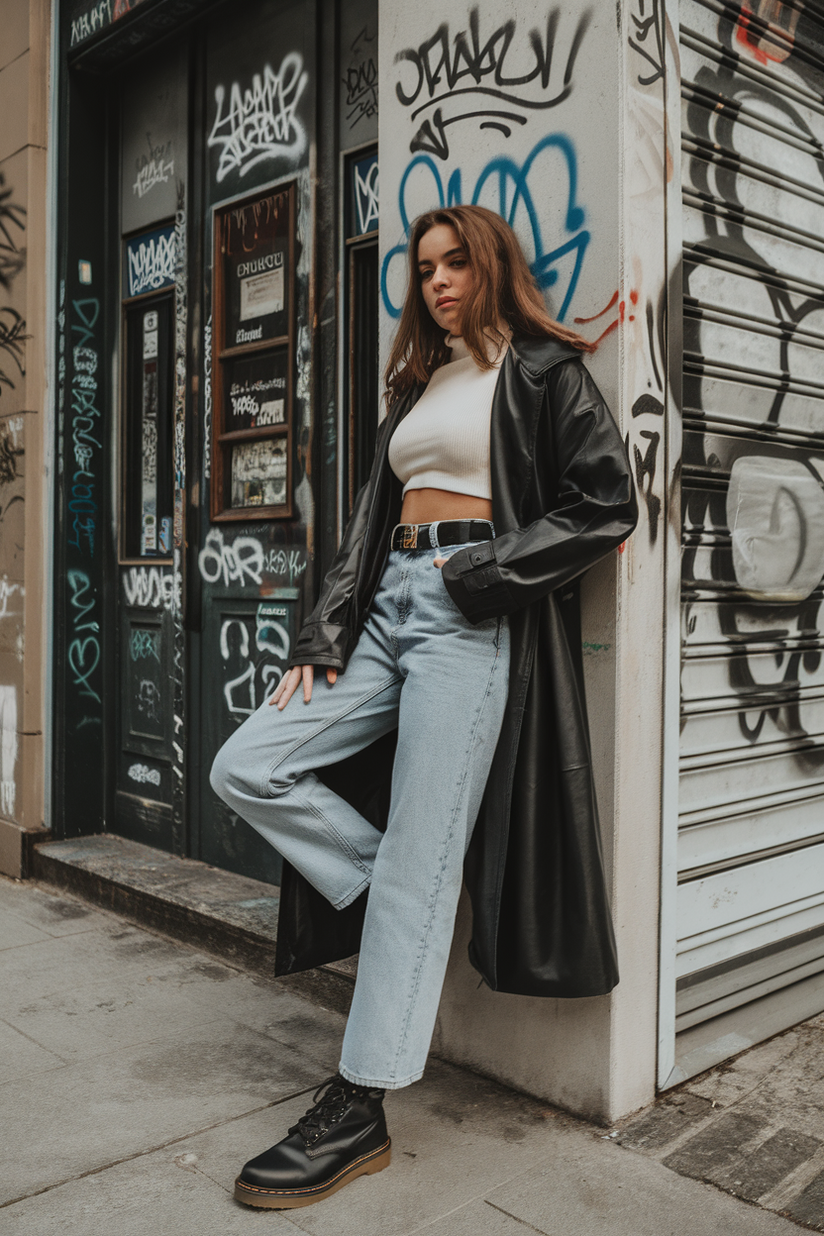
x: 261, y: 294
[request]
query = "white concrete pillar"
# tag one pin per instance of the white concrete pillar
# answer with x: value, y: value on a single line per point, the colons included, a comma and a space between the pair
x: 554, y: 116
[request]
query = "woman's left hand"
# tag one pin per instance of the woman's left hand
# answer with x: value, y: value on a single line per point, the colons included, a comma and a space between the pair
x: 439, y: 562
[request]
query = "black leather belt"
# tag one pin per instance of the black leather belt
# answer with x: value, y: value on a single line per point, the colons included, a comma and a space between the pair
x: 444, y: 532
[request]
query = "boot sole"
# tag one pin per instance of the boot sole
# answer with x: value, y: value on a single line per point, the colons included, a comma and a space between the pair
x: 289, y: 1199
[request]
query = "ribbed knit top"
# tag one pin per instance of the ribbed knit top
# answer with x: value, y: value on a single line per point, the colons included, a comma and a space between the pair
x: 443, y: 441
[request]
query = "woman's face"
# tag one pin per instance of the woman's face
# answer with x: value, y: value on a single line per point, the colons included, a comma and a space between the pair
x: 445, y: 274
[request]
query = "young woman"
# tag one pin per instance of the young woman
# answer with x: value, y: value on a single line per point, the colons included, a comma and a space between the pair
x: 448, y: 616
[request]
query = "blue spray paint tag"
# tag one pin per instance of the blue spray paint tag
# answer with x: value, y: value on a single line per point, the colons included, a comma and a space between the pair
x: 165, y: 541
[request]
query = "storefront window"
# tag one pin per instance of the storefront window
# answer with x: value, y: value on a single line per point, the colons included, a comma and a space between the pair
x: 253, y: 361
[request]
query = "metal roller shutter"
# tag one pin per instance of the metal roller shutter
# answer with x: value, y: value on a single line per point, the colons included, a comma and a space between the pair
x: 750, y: 908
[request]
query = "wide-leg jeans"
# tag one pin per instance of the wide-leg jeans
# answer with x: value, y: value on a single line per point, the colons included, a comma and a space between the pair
x: 421, y: 667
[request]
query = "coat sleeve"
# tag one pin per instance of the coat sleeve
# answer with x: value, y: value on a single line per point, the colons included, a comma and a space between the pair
x: 326, y: 634
x: 595, y: 511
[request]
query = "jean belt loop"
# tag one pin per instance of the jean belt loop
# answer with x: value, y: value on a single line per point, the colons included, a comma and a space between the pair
x: 433, y: 534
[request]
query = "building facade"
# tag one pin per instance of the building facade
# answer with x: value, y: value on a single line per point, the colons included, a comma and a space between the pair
x: 219, y: 273
x: 26, y: 339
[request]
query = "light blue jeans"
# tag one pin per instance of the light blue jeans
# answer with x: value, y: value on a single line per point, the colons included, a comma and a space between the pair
x: 421, y: 667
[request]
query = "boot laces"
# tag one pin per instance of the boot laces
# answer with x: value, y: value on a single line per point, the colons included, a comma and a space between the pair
x: 324, y: 1114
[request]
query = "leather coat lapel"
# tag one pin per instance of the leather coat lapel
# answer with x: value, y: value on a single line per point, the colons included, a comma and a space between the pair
x: 516, y: 406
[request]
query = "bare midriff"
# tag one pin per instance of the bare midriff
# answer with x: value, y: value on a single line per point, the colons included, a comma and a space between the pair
x: 425, y: 506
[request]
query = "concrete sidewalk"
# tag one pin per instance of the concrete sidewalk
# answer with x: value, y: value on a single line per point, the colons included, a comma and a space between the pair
x: 138, y: 1075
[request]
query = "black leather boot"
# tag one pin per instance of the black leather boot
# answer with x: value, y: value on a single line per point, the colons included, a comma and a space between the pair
x: 341, y: 1137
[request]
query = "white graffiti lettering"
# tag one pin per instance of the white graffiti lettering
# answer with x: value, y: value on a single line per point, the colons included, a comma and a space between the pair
x: 82, y: 503
x: 260, y: 123
x: 260, y: 675
x: 142, y: 774
x: 248, y: 704
x: 87, y: 23
x: 149, y: 588
x: 155, y: 172
x: 276, y: 640
x: 148, y: 699
x: 285, y: 564
x: 241, y: 562
x: 244, y: 561
x: 366, y: 196
x: 155, y: 168
x: 245, y: 405
x: 8, y: 590
x: 151, y: 263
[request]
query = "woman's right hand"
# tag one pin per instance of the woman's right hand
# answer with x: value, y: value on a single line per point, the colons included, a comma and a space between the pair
x: 288, y: 684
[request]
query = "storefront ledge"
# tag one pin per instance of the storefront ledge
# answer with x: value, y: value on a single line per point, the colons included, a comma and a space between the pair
x: 230, y: 916
x: 17, y: 848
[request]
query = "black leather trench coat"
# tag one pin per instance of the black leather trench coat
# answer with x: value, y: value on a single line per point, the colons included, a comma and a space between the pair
x: 562, y: 497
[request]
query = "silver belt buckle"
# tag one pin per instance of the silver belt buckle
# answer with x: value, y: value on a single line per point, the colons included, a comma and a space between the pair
x: 410, y: 536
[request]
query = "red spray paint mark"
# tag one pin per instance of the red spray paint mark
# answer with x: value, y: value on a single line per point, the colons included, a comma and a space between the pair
x: 633, y: 296
x: 612, y: 326
x: 600, y: 314
x: 744, y: 35
x: 763, y: 38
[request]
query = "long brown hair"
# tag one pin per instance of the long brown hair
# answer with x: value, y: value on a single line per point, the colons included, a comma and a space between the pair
x: 503, y: 288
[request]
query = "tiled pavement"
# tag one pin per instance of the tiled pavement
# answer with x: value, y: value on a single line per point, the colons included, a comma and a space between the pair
x: 753, y: 1126
x: 137, y: 1073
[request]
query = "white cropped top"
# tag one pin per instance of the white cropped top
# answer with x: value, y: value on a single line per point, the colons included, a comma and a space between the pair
x: 443, y: 441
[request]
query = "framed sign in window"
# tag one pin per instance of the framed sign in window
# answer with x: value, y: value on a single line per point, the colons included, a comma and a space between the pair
x: 253, y: 361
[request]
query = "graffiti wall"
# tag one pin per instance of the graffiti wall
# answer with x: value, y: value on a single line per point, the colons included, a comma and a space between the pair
x: 198, y: 421
x: 253, y: 575
x: 153, y: 147
x: 359, y: 85
x: 13, y: 337
x: 96, y: 16
x: 519, y: 113
x: 750, y: 858
x: 510, y: 113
